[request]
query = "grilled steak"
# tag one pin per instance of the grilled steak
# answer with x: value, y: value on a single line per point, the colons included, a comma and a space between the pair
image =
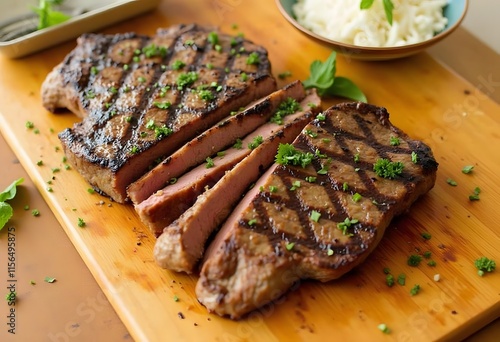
x: 143, y: 97
x: 164, y: 206
x: 291, y: 226
x: 181, y: 245
x: 210, y: 141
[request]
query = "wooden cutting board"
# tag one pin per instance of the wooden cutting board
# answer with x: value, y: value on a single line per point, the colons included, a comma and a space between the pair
x: 425, y: 99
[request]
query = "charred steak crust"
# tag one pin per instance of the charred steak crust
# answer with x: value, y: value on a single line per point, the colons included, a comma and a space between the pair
x: 274, y: 238
x: 143, y: 97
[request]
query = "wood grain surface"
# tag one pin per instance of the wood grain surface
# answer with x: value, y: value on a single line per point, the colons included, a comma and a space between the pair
x: 425, y: 99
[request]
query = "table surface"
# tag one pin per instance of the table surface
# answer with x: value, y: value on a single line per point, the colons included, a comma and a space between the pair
x: 81, y: 309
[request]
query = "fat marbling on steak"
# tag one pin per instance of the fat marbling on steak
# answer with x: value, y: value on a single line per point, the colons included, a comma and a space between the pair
x: 320, y: 218
x: 143, y: 97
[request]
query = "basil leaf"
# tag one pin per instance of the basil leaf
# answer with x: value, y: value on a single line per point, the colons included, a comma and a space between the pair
x: 344, y: 87
x: 322, y: 75
x: 365, y: 4
x: 388, y: 7
x: 6, y: 213
x: 10, y: 192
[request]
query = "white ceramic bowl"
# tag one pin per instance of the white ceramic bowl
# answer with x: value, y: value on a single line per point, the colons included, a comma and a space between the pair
x: 455, y: 12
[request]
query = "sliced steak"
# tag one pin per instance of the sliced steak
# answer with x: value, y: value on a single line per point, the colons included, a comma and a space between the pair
x: 143, y: 97
x: 320, y: 227
x: 167, y: 204
x: 210, y: 141
x: 181, y: 245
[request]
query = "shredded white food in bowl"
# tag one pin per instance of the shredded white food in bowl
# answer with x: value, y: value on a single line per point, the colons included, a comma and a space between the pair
x: 414, y: 21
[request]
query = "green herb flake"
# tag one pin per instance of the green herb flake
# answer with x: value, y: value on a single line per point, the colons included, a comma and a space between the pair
x: 310, y: 179
x: 384, y: 328
x: 315, y: 216
x: 49, y: 280
x: 35, y: 212
x: 162, y: 105
x: 484, y: 264
x: 475, y: 195
x: 427, y: 254
x: 186, y: 79
x: 253, y: 58
x: 356, y: 158
x: 451, y: 182
x: 345, y: 186
x: 288, y: 155
x: 284, y: 74
x: 29, y: 124
x: 394, y: 141
x: 426, y: 236
x: 415, y: 290
x: 356, y: 197
x: 389, y: 280
x: 176, y: 298
x: 295, y: 185
x: 347, y: 223
x: 177, y: 65
x: 47, y: 16
x: 386, y: 270
x: 414, y: 260
x: 414, y: 157
x: 238, y: 144
x: 467, y: 169
x: 330, y: 252
x: 402, y: 279
x: 39, y: 163
x: 11, y: 296
x: 289, y: 246
x: 387, y: 169
x: 90, y: 191
x: 81, y: 223
x: 252, y: 222
x: 287, y: 107
x: 273, y: 188
x: 255, y: 142
x: 431, y: 263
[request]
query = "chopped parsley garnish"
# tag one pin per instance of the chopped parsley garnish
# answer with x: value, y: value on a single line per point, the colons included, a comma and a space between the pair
x: 414, y: 157
x: 289, y: 246
x: 162, y: 105
x: 176, y: 298
x: 81, y: 223
x: 253, y: 58
x: 295, y: 185
x: 356, y: 157
x: 287, y: 107
x: 386, y: 270
x: 94, y: 70
x: 426, y: 236
x: 402, y: 279
x: 162, y: 131
x: 384, y: 328
x: 49, y: 280
x: 287, y: 154
x: 178, y: 64
x: 210, y: 163
x: 345, y: 186
x: 238, y: 144
x: 255, y: 142
x: 467, y: 169
x: 389, y: 280
x: 483, y: 264
x: 206, y: 94
x: 431, y: 263
x: 414, y: 260
x: 387, y: 169
x: 284, y: 74
x: 310, y: 179
x: 11, y: 296
x: 346, y: 224
x: 315, y: 215
x: 321, y: 117
x: 475, y: 195
x: 35, y: 212
x: 252, y: 222
x: 451, y: 182
x: 153, y: 50
x: 427, y: 254
x: 213, y: 38
x: 415, y: 290
x: 394, y: 141
x: 186, y: 79
x: 311, y: 133
x: 356, y: 197
x: 244, y: 77
x: 273, y: 188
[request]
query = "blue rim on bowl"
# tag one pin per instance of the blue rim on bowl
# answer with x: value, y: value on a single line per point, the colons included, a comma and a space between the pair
x: 455, y: 11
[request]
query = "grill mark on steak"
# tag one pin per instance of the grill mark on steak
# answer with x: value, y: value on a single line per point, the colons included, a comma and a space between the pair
x: 216, y: 138
x: 135, y: 108
x: 270, y: 240
x: 181, y: 244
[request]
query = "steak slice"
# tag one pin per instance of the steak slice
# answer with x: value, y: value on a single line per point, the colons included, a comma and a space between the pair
x: 182, y: 243
x: 144, y: 97
x: 214, y: 139
x: 164, y: 206
x: 320, y: 227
